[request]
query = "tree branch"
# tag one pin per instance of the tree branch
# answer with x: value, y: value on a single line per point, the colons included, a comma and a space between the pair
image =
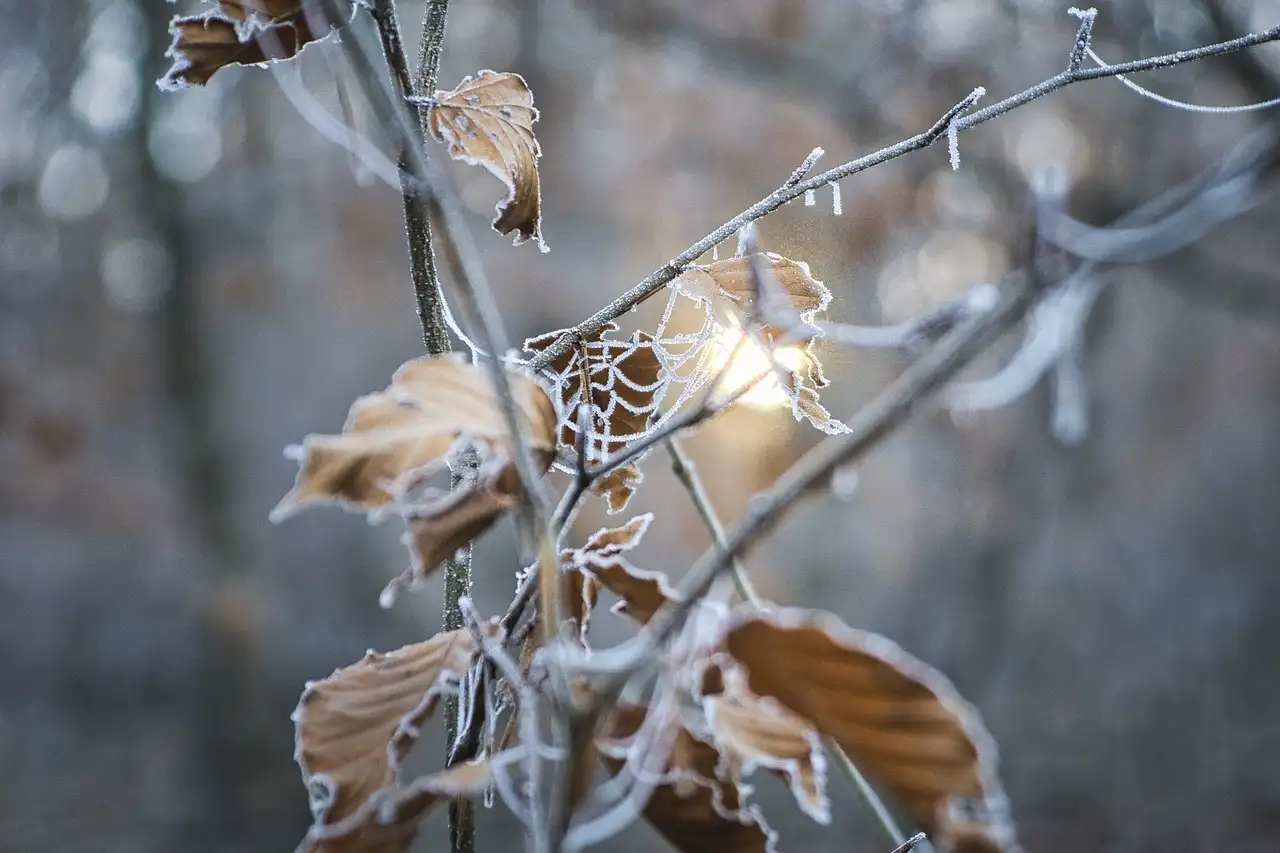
x: 667, y: 273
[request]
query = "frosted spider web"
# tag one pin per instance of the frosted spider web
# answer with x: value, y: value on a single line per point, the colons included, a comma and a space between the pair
x: 687, y: 361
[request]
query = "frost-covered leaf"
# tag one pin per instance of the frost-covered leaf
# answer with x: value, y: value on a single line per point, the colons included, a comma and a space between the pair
x: 580, y: 590
x: 728, y: 290
x: 388, y: 435
x: 602, y: 558
x: 625, y: 379
x: 355, y: 726
x: 248, y: 32
x: 617, y: 487
x: 729, y: 283
x: 398, y: 446
x: 902, y: 722
x: 750, y: 732
x: 389, y: 820
x: 488, y: 121
x: 691, y: 807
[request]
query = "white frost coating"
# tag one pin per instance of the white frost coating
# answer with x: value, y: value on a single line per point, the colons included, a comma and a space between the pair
x: 837, y: 205
x: 810, y: 198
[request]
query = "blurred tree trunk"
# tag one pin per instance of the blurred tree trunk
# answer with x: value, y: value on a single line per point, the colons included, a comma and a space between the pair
x: 238, y: 718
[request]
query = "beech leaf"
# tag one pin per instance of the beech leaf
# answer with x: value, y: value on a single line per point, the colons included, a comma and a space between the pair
x: 901, y: 721
x: 398, y: 446
x: 249, y: 32
x: 750, y: 732
x: 355, y: 726
x: 580, y: 590
x: 389, y: 820
x: 488, y: 121
x: 602, y: 558
x: 729, y: 283
x: 692, y: 808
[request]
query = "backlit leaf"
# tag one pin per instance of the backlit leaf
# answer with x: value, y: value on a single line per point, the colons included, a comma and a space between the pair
x: 488, y: 121
x: 731, y: 279
x: 902, y: 722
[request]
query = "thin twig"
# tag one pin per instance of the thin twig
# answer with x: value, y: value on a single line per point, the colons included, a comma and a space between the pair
x: 422, y: 262
x: 687, y: 474
x: 788, y: 191
x: 435, y: 336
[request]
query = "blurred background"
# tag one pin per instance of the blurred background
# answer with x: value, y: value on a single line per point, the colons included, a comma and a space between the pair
x: 190, y: 282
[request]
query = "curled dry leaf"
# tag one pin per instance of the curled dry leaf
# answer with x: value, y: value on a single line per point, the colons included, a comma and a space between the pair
x: 691, y: 807
x: 580, y: 589
x: 355, y: 726
x: 728, y: 285
x: 625, y: 379
x: 602, y: 559
x: 389, y: 820
x: 488, y: 121
x: 396, y: 447
x: 248, y: 32
x: 902, y: 722
x: 727, y: 289
x: 751, y: 733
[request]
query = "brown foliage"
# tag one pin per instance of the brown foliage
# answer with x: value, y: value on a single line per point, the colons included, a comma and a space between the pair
x: 692, y: 808
x: 355, y: 726
x: 901, y: 721
x: 488, y: 121
x: 396, y: 442
x: 249, y: 32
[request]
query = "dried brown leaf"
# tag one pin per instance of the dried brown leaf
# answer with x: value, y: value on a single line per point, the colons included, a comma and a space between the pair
x: 488, y: 121
x: 602, y: 558
x: 396, y: 450
x: 414, y: 422
x: 692, y: 808
x: 750, y: 732
x: 902, y: 722
x: 730, y: 281
x: 251, y: 32
x: 580, y: 590
x: 355, y: 726
x: 617, y: 487
x: 389, y: 820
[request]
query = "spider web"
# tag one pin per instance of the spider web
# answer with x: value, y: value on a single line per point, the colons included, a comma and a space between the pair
x: 600, y: 373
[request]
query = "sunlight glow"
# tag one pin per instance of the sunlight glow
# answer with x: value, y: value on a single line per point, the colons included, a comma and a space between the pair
x: 751, y: 360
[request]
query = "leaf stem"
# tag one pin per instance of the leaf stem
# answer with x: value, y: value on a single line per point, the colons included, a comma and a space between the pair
x: 687, y: 474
